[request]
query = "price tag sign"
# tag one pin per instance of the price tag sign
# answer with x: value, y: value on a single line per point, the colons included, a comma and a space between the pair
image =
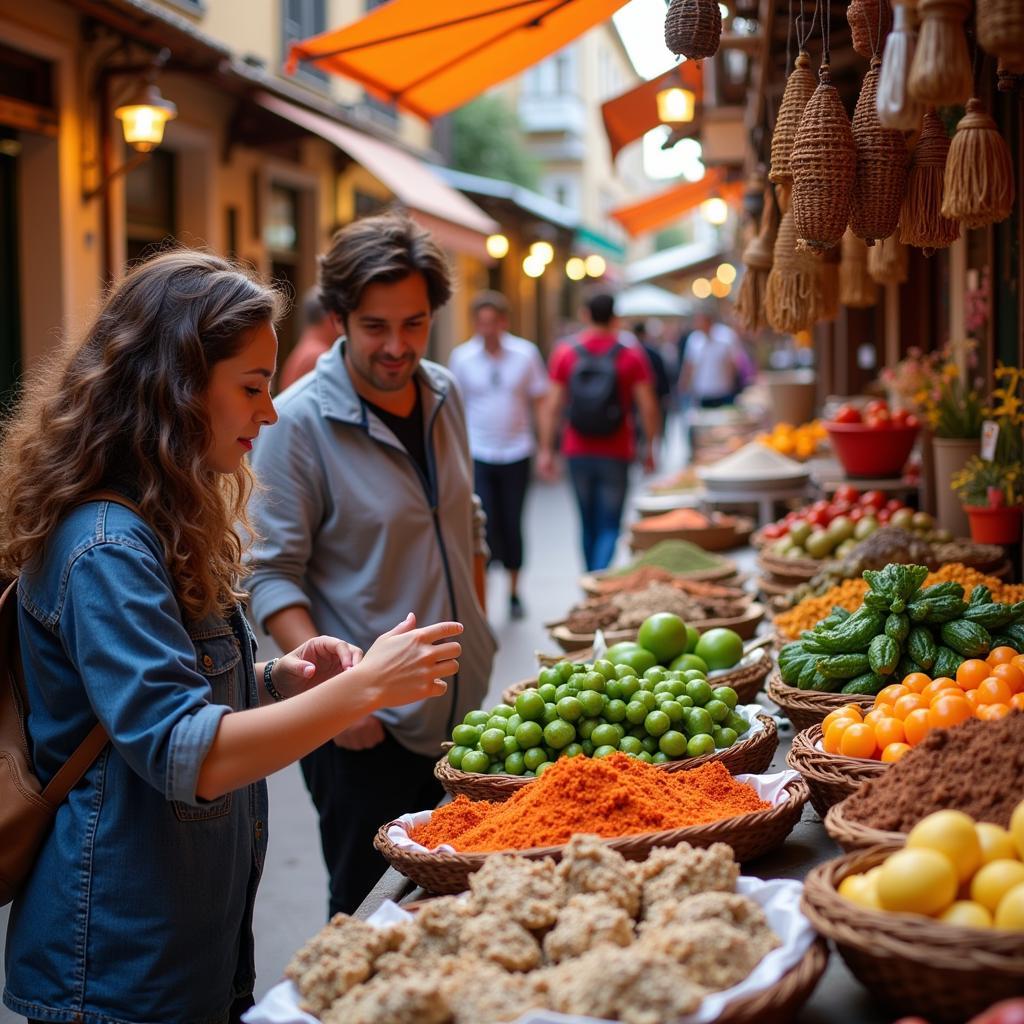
x: 989, y: 438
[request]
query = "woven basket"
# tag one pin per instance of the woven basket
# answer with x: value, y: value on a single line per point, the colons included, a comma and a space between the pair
x: 940, y: 73
x: 750, y: 836
x: 830, y: 777
x: 799, y: 89
x: 921, y: 220
x: 870, y: 23
x: 913, y: 964
x: 824, y: 162
x: 857, y: 288
x: 805, y: 708
x: 888, y: 261
x: 792, y: 300
x: 693, y: 28
x: 723, y: 575
x: 896, y: 107
x: 1000, y: 28
x: 797, y: 569
x: 852, y: 835
x: 881, y: 178
x: 750, y: 756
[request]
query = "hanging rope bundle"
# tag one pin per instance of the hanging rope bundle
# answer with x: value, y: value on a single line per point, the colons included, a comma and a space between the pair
x: 693, y: 28
x: 940, y: 74
x: 888, y: 261
x: 799, y: 89
x: 792, y: 296
x: 921, y: 221
x: 978, y: 186
x: 1000, y: 28
x: 896, y: 107
x: 828, y: 271
x: 857, y: 289
x: 881, y: 178
x: 757, y: 258
x: 863, y: 13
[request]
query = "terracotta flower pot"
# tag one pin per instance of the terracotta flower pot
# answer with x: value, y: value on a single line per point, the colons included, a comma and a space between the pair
x: 995, y: 525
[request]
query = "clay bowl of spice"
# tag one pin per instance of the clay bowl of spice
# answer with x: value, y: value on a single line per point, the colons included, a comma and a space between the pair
x: 632, y: 806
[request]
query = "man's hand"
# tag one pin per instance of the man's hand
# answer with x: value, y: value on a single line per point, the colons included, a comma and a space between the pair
x: 546, y: 467
x: 361, y: 735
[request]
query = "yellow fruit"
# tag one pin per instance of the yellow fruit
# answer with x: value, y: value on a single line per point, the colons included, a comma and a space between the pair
x: 918, y: 881
x: 994, y: 880
x: 1017, y: 828
x: 952, y: 834
x: 996, y: 842
x: 1010, y: 912
x: 966, y: 914
x: 859, y: 889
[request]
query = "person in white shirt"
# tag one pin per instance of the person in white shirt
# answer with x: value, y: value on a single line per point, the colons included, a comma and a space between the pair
x: 713, y: 363
x: 502, y: 379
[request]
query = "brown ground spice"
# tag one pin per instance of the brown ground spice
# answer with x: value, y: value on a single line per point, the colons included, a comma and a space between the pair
x: 976, y: 767
x: 611, y: 796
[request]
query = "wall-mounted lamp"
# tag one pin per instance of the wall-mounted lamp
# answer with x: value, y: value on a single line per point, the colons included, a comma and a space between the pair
x: 575, y: 269
x: 715, y: 210
x: 676, y: 105
x: 544, y: 251
x: 497, y: 246
x: 143, y: 118
x: 595, y: 266
x: 534, y: 266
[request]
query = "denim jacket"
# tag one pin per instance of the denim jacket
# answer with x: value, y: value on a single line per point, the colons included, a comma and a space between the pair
x: 139, y: 907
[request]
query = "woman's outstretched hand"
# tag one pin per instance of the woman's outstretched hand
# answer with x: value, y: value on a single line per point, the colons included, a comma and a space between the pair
x: 313, y: 662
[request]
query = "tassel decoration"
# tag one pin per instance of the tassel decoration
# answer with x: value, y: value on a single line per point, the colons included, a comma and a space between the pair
x: 1000, y: 28
x: 758, y: 257
x: 888, y: 261
x: 856, y: 287
x: 793, y: 293
x: 897, y: 109
x: 921, y: 220
x: 940, y: 74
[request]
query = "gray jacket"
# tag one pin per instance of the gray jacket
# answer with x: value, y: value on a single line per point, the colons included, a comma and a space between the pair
x: 349, y: 532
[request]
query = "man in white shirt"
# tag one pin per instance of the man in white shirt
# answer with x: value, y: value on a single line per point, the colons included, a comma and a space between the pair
x: 502, y: 379
x: 713, y: 363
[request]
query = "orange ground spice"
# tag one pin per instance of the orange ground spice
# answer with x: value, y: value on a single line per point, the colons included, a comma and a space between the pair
x: 611, y: 796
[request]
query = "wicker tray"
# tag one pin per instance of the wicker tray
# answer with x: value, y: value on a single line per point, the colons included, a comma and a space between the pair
x: 805, y: 708
x: 830, y: 777
x: 913, y: 964
x: 749, y: 835
x: 711, y: 538
x: 799, y: 569
x: 726, y: 572
x: 851, y: 835
x: 750, y: 756
x: 734, y: 584
x: 772, y: 587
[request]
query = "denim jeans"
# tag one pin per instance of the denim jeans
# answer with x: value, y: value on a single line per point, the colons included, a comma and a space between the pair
x: 600, y: 485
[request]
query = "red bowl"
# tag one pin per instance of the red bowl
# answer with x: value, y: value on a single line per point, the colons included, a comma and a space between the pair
x: 871, y: 451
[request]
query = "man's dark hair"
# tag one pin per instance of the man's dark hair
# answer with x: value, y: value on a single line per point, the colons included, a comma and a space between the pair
x: 380, y: 250
x: 313, y: 310
x: 601, y: 308
x: 489, y: 300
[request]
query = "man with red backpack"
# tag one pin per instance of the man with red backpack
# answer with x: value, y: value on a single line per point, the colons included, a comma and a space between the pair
x: 596, y: 381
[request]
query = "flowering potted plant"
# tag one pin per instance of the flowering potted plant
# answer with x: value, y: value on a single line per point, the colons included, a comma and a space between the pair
x: 992, y: 491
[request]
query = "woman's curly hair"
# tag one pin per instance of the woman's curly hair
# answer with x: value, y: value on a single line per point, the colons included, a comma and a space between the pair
x: 125, y: 409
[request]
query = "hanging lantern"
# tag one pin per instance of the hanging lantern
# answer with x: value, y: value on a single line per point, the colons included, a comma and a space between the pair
x: 978, y: 186
x: 1000, y: 28
x: 921, y: 220
x: 799, y: 89
x: 881, y: 167
x: 824, y: 162
x: 870, y: 22
x: 757, y: 258
x: 793, y: 293
x: 940, y: 74
x: 896, y: 107
x: 857, y: 288
x: 676, y: 105
x: 888, y: 261
x: 693, y: 28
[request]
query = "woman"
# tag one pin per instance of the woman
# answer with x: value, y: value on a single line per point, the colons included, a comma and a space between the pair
x: 139, y: 907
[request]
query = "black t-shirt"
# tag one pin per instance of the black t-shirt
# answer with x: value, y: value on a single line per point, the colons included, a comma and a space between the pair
x: 410, y: 432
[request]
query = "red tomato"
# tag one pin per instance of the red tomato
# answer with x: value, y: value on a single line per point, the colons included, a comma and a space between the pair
x: 883, y: 515
x: 899, y: 418
x: 773, y: 531
x: 839, y: 508
x: 911, y: 421
x: 857, y: 513
x: 894, y: 505
x: 847, y: 414
x: 846, y: 492
x: 818, y: 517
x: 880, y: 420
x: 876, y: 499
x: 876, y: 407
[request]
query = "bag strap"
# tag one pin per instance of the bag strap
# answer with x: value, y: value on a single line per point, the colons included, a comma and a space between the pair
x: 71, y: 771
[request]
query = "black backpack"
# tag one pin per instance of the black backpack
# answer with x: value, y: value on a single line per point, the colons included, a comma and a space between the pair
x: 595, y: 406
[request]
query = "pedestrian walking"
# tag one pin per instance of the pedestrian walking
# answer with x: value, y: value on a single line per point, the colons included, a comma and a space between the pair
x: 713, y: 363
x: 139, y: 905
x: 367, y: 512
x: 503, y: 381
x: 662, y: 382
x: 596, y: 381
x: 317, y: 336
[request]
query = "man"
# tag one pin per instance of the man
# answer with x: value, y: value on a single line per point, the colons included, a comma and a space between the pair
x: 597, y: 380
x: 713, y: 363
x: 318, y: 335
x: 368, y: 514
x: 662, y: 384
x: 503, y: 380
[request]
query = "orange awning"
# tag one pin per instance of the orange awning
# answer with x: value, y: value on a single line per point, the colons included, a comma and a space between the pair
x: 632, y: 114
x: 433, y: 202
x: 658, y: 210
x: 432, y: 57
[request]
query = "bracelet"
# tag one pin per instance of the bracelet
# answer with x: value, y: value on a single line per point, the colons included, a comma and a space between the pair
x: 268, y: 680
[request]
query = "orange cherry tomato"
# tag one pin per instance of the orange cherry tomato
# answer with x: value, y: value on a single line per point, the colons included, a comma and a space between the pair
x: 1017, y: 701
x: 971, y: 673
x: 917, y: 725
x: 879, y: 714
x: 971, y: 696
x: 849, y: 711
x: 993, y: 691
x: 1011, y: 675
x: 889, y: 730
x: 950, y: 691
x: 990, y: 712
x: 916, y: 681
x: 891, y: 693
x: 908, y: 703
x: 894, y: 751
x: 831, y: 739
x: 858, y: 741
x: 946, y: 712
x: 1018, y: 662
x: 1001, y: 655
x: 937, y: 685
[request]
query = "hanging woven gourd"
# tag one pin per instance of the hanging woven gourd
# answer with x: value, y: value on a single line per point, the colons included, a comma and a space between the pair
x: 857, y: 289
x: 1000, y: 27
x: 824, y: 163
x: 940, y: 74
x: 896, y: 107
x: 881, y: 167
x: 870, y: 22
x: 921, y: 220
x: 978, y: 186
x: 757, y: 258
x: 828, y: 271
x: 693, y: 28
x: 793, y: 293
x: 888, y: 261
x: 799, y: 89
